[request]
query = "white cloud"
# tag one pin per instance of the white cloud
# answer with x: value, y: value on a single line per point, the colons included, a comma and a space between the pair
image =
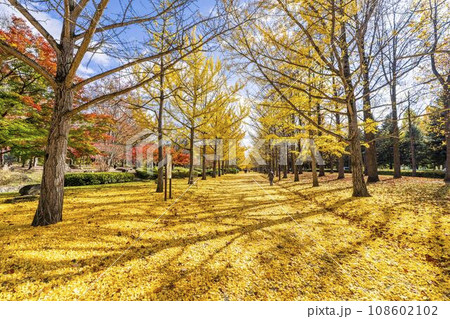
x: 53, y: 26
x: 85, y: 71
x: 101, y: 59
x: 93, y: 63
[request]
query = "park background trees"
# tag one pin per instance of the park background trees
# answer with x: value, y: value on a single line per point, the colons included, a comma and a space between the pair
x: 341, y: 65
x: 368, y: 84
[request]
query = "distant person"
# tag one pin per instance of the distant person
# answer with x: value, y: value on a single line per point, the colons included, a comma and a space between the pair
x: 271, y: 176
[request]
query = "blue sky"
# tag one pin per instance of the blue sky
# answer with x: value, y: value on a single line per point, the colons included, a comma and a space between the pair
x: 93, y: 63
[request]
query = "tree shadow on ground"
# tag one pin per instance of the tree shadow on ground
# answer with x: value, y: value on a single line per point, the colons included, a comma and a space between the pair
x: 236, y: 244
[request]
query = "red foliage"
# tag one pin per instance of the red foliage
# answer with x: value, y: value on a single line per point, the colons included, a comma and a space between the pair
x: 28, y: 100
x: 180, y: 158
x: 21, y: 37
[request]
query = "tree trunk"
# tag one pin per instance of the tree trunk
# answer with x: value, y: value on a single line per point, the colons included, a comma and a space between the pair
x: 30, y: 163
x: 299, y: 167
x: 273, y: 157
x: 340, y: 164
x: 369, y: 137
x: 312, y: 152
x: 359, y: 185
x: 214, y: 172
x: 340, y: 167
x: 277, y: 163
x: 279, y: 171
x: 204, y: 163
x: 160, y: 181
x: 395, y: 130
x: 191, y: 157
x: 321, y: 170
x: 395, y: 133
x: 411, y: 141
x: 50, y: 205
x: 319, y: 122
x: 218, y: 168
x: 295, y: 167
x: 314, y: 168
x: 447, y: 128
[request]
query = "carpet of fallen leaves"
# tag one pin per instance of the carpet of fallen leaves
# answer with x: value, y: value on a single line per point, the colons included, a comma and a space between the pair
x: 233, y: 238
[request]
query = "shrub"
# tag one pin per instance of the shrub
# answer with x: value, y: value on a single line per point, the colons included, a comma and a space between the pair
x: 427, y: 174
x: 232, y: 170
x: 180, y: 172
x: 80, y: 179
x: 147, y: 174
x: 177, y: 172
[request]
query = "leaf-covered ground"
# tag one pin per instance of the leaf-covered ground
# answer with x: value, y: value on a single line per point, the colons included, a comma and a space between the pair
x: 233, y: 238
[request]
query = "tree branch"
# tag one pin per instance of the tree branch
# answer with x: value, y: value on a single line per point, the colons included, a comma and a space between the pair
x: 86, y: 41
x: 79, y: 8
x: 30, y: 62
x: 110, y: 96
x: 122, y: 67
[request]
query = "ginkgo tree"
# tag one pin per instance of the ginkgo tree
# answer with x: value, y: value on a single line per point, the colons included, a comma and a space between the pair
x: 225, y: 128
x: 153, y: 96
x: 200, y: 91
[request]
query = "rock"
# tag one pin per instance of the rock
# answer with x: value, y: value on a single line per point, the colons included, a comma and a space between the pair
x: 19, y: 199
x: 30, y: 190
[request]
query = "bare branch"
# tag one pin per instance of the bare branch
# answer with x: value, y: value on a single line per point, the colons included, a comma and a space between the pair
x: 86, y: 41
x: 122, y: 67
x: 110, y: 96
x: 79, y: 8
